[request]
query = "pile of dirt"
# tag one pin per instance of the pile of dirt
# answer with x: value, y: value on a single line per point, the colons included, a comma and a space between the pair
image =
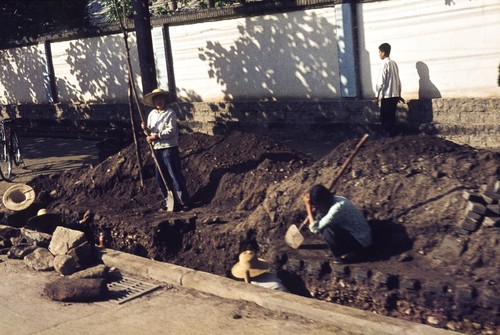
x: 247, y: 190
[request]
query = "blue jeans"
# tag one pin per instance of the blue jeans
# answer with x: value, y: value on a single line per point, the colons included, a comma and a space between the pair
x: 169, y: 160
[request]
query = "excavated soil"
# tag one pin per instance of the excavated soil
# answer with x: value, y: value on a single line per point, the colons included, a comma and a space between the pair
x: 247, y: 190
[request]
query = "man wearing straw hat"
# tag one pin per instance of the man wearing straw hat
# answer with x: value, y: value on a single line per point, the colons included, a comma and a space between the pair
x: 255, y: 271
x: 163, y: 134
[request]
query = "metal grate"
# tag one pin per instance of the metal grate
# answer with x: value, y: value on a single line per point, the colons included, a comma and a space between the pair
x: 122, y: 289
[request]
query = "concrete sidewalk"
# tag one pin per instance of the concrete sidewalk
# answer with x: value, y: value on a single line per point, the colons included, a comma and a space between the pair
x: 347, y: 319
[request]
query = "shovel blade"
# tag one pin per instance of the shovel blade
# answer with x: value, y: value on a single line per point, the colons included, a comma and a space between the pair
x: 170, y: 201
x: 293, y: 237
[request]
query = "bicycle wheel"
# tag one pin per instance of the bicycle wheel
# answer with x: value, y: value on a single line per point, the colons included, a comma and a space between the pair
x: 5, y: 159
x: 16, y: 149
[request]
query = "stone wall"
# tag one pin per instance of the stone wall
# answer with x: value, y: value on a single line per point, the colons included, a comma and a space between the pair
x: 475, y: 122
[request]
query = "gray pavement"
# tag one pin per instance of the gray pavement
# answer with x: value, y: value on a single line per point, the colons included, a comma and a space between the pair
x: 50, y: 155
x: 189, y: 302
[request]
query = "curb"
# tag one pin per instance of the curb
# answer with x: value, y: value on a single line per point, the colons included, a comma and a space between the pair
x: 346, y: 318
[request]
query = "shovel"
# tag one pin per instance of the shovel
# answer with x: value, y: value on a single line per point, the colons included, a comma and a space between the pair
x: 170, y: 197
x: 293, y: 237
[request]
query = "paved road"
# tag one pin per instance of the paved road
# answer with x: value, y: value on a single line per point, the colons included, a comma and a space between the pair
x: 50, y: 155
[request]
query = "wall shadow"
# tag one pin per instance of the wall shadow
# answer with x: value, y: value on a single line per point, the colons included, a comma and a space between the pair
x: 420, y: 111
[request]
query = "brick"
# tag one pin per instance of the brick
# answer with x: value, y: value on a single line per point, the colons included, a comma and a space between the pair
x: 493, y: 209
x: 474, y: 216
x: 491, y: 221
x: 470, y: 225
x: 490, y: 197
x: 476, y: 207
x: 473, y: 196
x: 494, y: 187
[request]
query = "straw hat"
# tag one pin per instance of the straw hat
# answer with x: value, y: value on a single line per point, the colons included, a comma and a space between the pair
x: 18, y: 197
x: 44, y: 221
x: 148, y: 98
x: 248, y: 261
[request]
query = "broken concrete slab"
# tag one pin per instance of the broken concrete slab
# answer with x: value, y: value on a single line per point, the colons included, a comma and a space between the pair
x: 476, y: 207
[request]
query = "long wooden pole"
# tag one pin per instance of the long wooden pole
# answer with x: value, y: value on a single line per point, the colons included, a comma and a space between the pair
x: 170, y: 203
x: 341, y: 170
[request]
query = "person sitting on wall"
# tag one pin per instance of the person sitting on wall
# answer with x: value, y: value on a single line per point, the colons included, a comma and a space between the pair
x: 341, y: 224
x: 255, y: 271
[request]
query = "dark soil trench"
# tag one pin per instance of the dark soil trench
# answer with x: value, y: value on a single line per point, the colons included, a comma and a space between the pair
x: 247, y: 190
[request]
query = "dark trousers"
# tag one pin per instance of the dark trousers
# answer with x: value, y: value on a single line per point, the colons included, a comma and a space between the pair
x: 388, y: 109
x: 169, y: 160
x: 340, y: 241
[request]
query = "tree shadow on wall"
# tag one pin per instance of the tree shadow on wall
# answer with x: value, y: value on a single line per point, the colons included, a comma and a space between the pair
x: 101, y: 80
x: 420, y: 111
x: 21, y: 76
x: 91, y: 70
x: 276, y: 55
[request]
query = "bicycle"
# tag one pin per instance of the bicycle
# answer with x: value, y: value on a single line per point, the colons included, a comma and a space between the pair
x: 10, y: 150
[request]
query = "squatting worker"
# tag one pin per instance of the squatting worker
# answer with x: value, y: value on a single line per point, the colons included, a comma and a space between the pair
x: 163, y: 134
x: 341, y: 224
x: 388, y: 90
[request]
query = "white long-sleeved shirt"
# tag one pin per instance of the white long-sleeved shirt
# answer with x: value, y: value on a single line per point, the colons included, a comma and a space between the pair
x: 388, y: 82
x: 164, y: 123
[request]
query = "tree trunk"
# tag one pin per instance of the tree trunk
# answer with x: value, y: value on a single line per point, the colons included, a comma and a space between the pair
x: 145, y: 45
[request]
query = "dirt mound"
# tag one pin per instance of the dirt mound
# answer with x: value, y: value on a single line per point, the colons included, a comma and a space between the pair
x: 247, y: 190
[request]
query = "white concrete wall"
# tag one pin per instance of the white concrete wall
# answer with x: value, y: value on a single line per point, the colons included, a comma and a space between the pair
x: 283, y: 56
x: 23, y: 76
x: 458, y: 43
x: 297, y: 55
x: 94, y: 70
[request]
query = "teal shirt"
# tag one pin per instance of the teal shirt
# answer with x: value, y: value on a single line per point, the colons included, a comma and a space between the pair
x: 343, y: 214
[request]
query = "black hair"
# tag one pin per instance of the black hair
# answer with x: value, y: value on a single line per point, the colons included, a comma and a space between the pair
x: 386, y: 48
x: 320, y: 196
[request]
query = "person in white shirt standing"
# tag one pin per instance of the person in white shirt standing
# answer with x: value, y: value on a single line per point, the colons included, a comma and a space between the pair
x: 163, y: 134
x: 388, y: 90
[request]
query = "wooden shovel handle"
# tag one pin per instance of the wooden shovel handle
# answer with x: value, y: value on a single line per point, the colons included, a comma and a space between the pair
x: 347, y: 161
x: 341, y: 170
